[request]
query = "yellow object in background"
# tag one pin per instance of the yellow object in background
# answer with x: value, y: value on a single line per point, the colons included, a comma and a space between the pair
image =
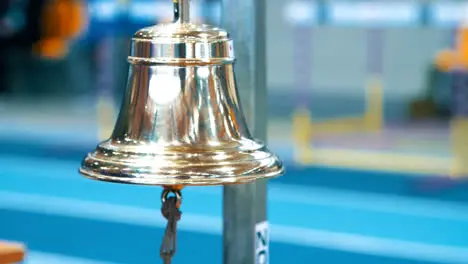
x: 448, y: 59
x: 302, y: 127
x: 373, y: 117
x: 302, y: 135
x: 11, y: 252
x: 462, y: 44
x: 459, y: 132
x: 61, y: 21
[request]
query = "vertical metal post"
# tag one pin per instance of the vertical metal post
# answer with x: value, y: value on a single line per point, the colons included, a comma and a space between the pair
x: 245, y: 232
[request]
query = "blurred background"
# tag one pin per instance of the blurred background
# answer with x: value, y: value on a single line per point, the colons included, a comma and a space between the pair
x: 368, y: 107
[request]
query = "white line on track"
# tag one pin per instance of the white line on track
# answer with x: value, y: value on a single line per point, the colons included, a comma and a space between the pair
x: 212, y: 225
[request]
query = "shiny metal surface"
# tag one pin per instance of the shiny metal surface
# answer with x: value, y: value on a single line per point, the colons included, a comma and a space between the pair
x: 181, y: 122
x: 181, y: 44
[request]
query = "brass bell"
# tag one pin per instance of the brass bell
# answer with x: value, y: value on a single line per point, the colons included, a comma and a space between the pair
x: 181, y: 122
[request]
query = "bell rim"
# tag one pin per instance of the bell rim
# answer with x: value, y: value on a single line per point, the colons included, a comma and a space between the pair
x: 208, y: 180
x: 240, y: 168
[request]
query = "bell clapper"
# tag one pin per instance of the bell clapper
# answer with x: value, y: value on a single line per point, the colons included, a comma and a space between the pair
x: 171, y: 199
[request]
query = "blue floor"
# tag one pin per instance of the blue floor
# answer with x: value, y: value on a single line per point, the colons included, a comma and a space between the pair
x: 72, y: 145
x: 46, y: 204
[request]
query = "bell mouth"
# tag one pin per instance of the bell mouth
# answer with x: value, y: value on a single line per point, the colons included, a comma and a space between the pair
x: 176, y: 168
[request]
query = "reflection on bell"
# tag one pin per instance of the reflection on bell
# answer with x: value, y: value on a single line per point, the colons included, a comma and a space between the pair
x: 181, y: 121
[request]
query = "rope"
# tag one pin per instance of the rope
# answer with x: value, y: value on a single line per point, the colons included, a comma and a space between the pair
x: 170, y: 211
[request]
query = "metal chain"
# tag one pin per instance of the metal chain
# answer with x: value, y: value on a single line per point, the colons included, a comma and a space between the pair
x: 170, y: 211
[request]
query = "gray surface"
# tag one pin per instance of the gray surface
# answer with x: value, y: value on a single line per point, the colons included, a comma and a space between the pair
x: 245, y: 205
x: 339, y: 54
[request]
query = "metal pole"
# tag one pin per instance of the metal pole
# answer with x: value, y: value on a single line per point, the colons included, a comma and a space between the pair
x: 245, y: 232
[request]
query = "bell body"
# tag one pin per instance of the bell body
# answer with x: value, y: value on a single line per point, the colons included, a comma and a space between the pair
x: 181, y: 122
